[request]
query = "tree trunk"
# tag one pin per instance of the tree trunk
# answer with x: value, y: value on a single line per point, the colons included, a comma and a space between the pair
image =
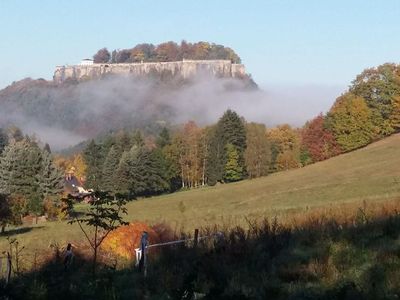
x: 95, y: 246
x: 94, y: 260
x: 3, y: 228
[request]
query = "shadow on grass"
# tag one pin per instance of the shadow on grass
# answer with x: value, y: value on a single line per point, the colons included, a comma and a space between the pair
x: 20, y: 230
x: 320, y: 259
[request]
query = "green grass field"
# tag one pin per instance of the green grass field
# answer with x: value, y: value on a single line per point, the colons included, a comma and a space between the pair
x: 370, y: 174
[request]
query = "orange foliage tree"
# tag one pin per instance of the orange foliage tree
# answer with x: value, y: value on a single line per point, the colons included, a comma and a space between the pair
x: 124, y: 240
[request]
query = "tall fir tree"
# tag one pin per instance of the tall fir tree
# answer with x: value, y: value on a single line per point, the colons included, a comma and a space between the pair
x: 50, y: 178
x: 123, y: 172
x: 20, y: 163
x: 233, y: 171
x: 94, y: 161
x: 146, y: 177
x: 109, y: 182
x: 230, y: 129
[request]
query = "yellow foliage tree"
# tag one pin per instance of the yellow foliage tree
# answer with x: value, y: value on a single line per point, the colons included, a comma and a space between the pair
x: 395, y: 116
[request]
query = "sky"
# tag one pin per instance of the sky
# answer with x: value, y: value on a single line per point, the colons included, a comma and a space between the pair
x: 287, y: 46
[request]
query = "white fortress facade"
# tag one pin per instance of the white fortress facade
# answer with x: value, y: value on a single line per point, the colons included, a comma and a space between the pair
x: 185, y: 68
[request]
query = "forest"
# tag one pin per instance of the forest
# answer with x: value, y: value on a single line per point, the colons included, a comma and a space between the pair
x: 168, y: 51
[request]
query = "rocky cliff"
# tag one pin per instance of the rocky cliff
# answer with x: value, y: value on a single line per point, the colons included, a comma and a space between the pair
x: 184, y: 69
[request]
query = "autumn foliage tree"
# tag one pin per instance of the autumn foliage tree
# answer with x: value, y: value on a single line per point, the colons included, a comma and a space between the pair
x: 167, y: 51
x: 395, y: 115
x: 285, y: 146
x: 124, y: 240
x: 350, y: 120
x: 378, y: 87
x: 102, y: 56
x: 191, y: 155
x: 319, y: 140
x: 258, y: 152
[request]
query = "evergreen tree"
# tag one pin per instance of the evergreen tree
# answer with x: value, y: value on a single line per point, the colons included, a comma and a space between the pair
x: 233, y: 171
x: 20, y: 163
x: 47, y: 148
x: 3, y: 139
x: 35, y: 206
x: 168, y: 179
x: 123, y: 142
x: 230, y: 129
x: 123, y: 171
x: 145, y: 176
x: 5, y: 212
x: 110, y: 167
x: 50, y: 178
x: 163, y: 139
x: 94, y: 161
x: 14, y: 134
x: 137, y: 139
x: 215, y: 157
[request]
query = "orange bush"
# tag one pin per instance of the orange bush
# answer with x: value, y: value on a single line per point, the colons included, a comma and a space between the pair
x: 124, y: 240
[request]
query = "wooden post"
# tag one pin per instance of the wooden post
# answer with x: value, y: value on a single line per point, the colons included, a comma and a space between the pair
x: 143, y: 247
x: 196, y: 237
x: 8, y: 272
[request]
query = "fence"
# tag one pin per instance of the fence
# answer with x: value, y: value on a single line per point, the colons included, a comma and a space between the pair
x: 5, y: 268
x: 141, y: 253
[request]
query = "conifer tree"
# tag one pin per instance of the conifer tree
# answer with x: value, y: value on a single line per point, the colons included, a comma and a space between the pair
x: 47, y: 148
x: 124, y: 171
x: 230, y: 129
x: 20, y: 163
x: 3, y: 139
x: 5, y: 212
x: 137, y: 139
x: 145, y: 176
x: 94, y: 161
x: 123, y: 142
x: 109, y: 170
x: 163, y: 139
x: 50, y: 178
x: 233, y: 171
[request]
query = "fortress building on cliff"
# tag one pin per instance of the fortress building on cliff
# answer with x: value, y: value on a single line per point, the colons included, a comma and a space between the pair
x: 185, y: 69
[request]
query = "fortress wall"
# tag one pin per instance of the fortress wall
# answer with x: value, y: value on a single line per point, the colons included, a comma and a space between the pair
x: 185, y: 68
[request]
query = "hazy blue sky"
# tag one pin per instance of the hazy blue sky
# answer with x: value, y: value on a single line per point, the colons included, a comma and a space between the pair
x: 282, y: 43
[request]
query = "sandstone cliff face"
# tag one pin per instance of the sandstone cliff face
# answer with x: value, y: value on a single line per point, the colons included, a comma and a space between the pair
x: 185, y: 69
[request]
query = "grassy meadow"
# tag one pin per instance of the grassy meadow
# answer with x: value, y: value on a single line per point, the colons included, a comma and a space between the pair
x: 371, y: 174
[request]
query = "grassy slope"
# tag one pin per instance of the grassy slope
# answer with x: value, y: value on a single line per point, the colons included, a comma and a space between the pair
x: 367, y: 174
